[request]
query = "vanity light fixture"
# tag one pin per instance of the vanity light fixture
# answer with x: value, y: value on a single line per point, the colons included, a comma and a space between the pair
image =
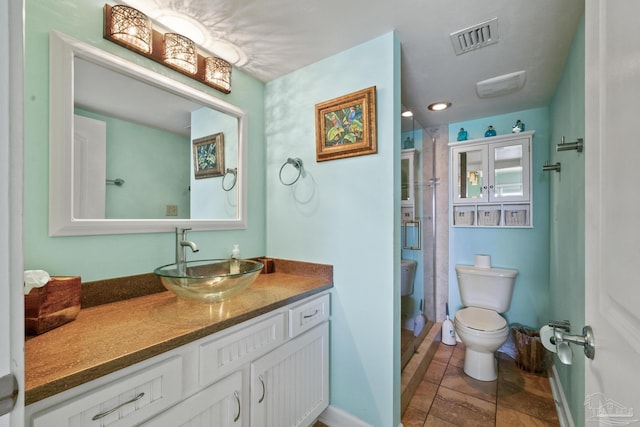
x: 130, y: 27
x: 180, y: 52
x: 123, y: 25
x: 218, y: 72
x: 439, y: 106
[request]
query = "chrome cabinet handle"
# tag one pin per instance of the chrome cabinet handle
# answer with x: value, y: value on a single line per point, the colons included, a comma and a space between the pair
x: 235, y: 393
x: 111, y: 411
x: 264, y: 390
x: 309, y: 316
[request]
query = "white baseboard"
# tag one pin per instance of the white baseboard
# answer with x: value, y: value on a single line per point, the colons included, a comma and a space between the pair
x: 334, y: 417
x: 562, y: 406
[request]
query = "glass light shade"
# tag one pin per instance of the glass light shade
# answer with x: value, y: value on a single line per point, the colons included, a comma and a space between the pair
x: 132, y: 27
x: 218, y: 72
x: 180, y: 52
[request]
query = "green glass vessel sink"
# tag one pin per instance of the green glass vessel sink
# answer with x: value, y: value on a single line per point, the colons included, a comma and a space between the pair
x: 209, y: 281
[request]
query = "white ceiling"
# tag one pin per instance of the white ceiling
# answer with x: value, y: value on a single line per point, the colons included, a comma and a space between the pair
x: 270, y: 38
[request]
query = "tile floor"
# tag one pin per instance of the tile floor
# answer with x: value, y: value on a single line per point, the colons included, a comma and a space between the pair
x: 447, y: 397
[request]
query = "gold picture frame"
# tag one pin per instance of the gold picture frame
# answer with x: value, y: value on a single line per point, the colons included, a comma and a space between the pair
x: 208, y: 156
x: 346, y: 126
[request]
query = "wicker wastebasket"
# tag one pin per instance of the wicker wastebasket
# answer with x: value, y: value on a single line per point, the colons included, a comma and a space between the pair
x: 531, y: 356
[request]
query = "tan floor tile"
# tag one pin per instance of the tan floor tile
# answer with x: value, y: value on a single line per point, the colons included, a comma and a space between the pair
x: 457, y: 358
x: 532, y: 382
x: 413, y: 417
x: 433, y: 421
x: 435, y: 372
x: 515, y: 397
x: 461, y: 409
x: 511, y: 418
x: 455, y: 379
x: 443, y: 353
x: 424, y: 395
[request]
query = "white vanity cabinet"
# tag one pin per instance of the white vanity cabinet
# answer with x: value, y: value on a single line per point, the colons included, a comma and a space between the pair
x: 491, y: 181
x: 268, y: 371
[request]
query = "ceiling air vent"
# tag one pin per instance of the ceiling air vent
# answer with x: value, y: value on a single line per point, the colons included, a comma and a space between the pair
x: 475, y: 37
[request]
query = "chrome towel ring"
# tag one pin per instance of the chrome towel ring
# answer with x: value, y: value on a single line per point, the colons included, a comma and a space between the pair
x: 297, y: 163
x: 233, y: 172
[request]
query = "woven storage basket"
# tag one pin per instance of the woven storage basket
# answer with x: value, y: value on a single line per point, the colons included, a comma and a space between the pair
x: 463, y: 217
x: 515, y: 217
x: 531, y: 356
x: 488, y: 217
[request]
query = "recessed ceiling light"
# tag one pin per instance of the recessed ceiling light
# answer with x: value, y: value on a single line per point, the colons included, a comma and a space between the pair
x: 439, y: 106
x: 407, y: 114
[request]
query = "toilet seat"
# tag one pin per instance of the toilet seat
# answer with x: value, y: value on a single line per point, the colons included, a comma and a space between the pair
x: 480, y: 319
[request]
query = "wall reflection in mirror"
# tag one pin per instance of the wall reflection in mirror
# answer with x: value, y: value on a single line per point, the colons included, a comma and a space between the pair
x: 127, y: 129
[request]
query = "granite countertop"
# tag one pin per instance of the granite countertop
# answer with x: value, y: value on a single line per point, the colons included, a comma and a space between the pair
x: 108, y: 337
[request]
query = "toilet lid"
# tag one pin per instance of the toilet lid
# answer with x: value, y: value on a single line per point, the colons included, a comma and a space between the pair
x: 481, y: 319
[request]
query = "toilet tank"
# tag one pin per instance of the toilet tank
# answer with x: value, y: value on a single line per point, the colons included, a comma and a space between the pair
x: 490, y: 288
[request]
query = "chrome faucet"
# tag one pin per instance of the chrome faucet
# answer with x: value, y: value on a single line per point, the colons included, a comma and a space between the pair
x: 181, y: 245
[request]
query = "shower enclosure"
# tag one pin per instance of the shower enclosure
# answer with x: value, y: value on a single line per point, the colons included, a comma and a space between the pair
x: 424, y: 227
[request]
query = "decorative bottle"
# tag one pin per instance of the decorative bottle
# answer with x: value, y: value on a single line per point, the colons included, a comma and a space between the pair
x: 234, y: 264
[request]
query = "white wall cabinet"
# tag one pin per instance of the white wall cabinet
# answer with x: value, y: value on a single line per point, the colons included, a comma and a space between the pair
x: 491, y: 181
x: 269, y: 371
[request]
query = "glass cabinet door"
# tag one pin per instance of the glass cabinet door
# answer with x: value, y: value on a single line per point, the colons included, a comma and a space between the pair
x: 407, y: 173
x: 470, y: 173
x: 509, y: 165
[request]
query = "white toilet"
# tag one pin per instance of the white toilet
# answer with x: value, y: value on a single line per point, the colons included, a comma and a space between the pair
x: 485, y: 292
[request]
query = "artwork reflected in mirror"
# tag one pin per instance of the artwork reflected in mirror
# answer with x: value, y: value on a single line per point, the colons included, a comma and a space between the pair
x: 208, y: 156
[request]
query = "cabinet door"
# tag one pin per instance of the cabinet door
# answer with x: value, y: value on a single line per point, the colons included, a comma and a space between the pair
x: 290, y: 385
x: 510, y: 173
x: 470, y: 174
x: 216, y: 406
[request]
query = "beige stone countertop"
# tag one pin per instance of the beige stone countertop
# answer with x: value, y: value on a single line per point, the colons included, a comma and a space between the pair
x: 109, y: 337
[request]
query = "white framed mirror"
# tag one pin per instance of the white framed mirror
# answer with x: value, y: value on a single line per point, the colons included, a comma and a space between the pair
x: 121, y: 151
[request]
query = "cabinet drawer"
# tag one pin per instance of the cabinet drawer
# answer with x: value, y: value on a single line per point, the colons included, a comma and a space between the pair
x: 123, y: 402
x: 218, y: 405
x: 221, y: 356
x: 308, y: 315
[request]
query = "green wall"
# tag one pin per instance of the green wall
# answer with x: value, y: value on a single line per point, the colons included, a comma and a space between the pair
x: 525, y: 249
x: 100, y: 257
x: 567, y: 267
x: 346, y: 213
